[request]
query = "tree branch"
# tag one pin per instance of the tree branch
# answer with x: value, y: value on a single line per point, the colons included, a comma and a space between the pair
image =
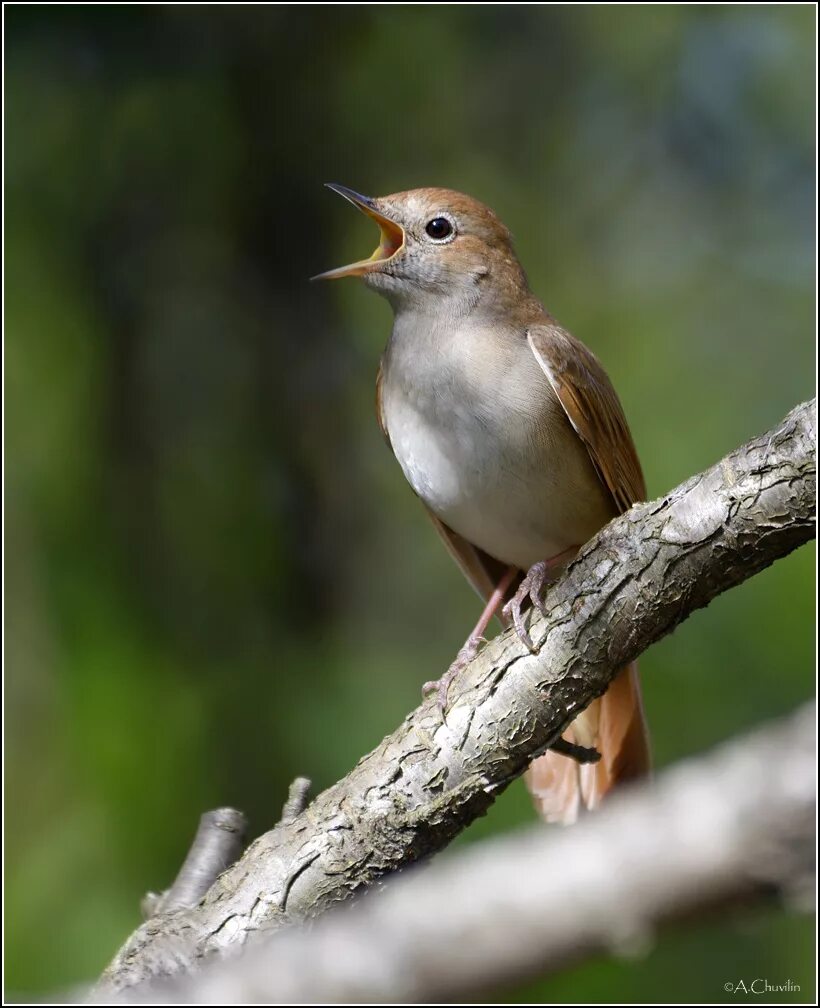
x: 716, y: 830
x: 634, y: 582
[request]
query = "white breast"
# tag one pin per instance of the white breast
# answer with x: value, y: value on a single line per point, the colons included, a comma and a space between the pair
x: 483, y: 441
x: 441, y: 457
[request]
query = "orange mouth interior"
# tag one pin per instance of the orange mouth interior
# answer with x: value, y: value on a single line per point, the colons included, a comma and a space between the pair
x: 391, y: 242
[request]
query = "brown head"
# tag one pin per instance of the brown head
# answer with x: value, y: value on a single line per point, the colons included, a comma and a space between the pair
x: 435, y: 244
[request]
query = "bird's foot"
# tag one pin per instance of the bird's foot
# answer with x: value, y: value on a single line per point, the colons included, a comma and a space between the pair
x: 531, y: 588
x: 462, y: 660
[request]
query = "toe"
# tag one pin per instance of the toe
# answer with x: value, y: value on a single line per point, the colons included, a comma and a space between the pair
x: 520, y: 629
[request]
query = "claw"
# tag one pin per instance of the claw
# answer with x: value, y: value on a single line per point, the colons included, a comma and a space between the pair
x: 514, y: 609
x: 462, y: 660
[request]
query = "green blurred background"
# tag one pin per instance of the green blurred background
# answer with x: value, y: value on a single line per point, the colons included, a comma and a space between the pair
x: 216, y: 576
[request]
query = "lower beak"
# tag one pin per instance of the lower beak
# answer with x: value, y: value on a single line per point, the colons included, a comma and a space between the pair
x: 391, y: 243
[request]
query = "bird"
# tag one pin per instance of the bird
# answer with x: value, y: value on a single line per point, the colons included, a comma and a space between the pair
x: 510, y: 432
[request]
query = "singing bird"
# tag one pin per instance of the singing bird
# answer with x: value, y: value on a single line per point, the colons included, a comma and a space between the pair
x: 510, y: 432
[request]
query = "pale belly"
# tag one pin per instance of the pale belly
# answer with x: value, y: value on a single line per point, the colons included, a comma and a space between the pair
x: 504, y: 470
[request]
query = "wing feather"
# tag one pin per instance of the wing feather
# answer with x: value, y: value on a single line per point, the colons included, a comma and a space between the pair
x: 593, y: 408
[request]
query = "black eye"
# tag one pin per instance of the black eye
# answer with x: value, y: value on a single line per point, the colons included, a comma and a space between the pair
x: 438, y: 228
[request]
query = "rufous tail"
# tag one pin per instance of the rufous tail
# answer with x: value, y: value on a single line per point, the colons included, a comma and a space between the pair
x: 614, y: 724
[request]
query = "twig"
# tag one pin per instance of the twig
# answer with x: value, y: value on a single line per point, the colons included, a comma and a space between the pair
x: 297, y: 800
x: 581, y: 754
x: 219, y: 841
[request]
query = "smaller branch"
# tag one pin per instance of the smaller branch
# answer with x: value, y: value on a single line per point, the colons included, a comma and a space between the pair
x: 577, y: 752
x: 151, y: 903
x: 717, y: 830
x: 297, y: 800
x: 219, y: 841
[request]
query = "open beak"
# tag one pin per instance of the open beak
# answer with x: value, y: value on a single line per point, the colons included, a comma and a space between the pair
x: 391, y: 243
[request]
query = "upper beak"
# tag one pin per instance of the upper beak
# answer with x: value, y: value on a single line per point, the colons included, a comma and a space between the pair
x: 391, y: 243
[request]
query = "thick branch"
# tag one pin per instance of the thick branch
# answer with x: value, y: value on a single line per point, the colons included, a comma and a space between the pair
x: 636, y: 581
x: 737, y: 824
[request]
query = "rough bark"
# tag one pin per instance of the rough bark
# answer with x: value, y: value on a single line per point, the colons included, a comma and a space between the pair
x: 716, y: 832
x: 633, y: 583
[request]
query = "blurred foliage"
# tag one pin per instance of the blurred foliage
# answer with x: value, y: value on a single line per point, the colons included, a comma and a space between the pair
x: 216, y: 576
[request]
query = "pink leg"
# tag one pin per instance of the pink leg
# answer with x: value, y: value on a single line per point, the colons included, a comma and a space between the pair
x: 537, y: 577
x: 471, y: 645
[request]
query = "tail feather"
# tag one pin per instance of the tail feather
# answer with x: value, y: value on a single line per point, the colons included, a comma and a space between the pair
x: 614, y: 724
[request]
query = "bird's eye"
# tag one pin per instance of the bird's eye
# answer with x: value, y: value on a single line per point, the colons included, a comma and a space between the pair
x: 439, y: 228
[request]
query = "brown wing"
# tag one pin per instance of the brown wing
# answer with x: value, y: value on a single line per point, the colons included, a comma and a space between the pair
x: 593, y: 408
